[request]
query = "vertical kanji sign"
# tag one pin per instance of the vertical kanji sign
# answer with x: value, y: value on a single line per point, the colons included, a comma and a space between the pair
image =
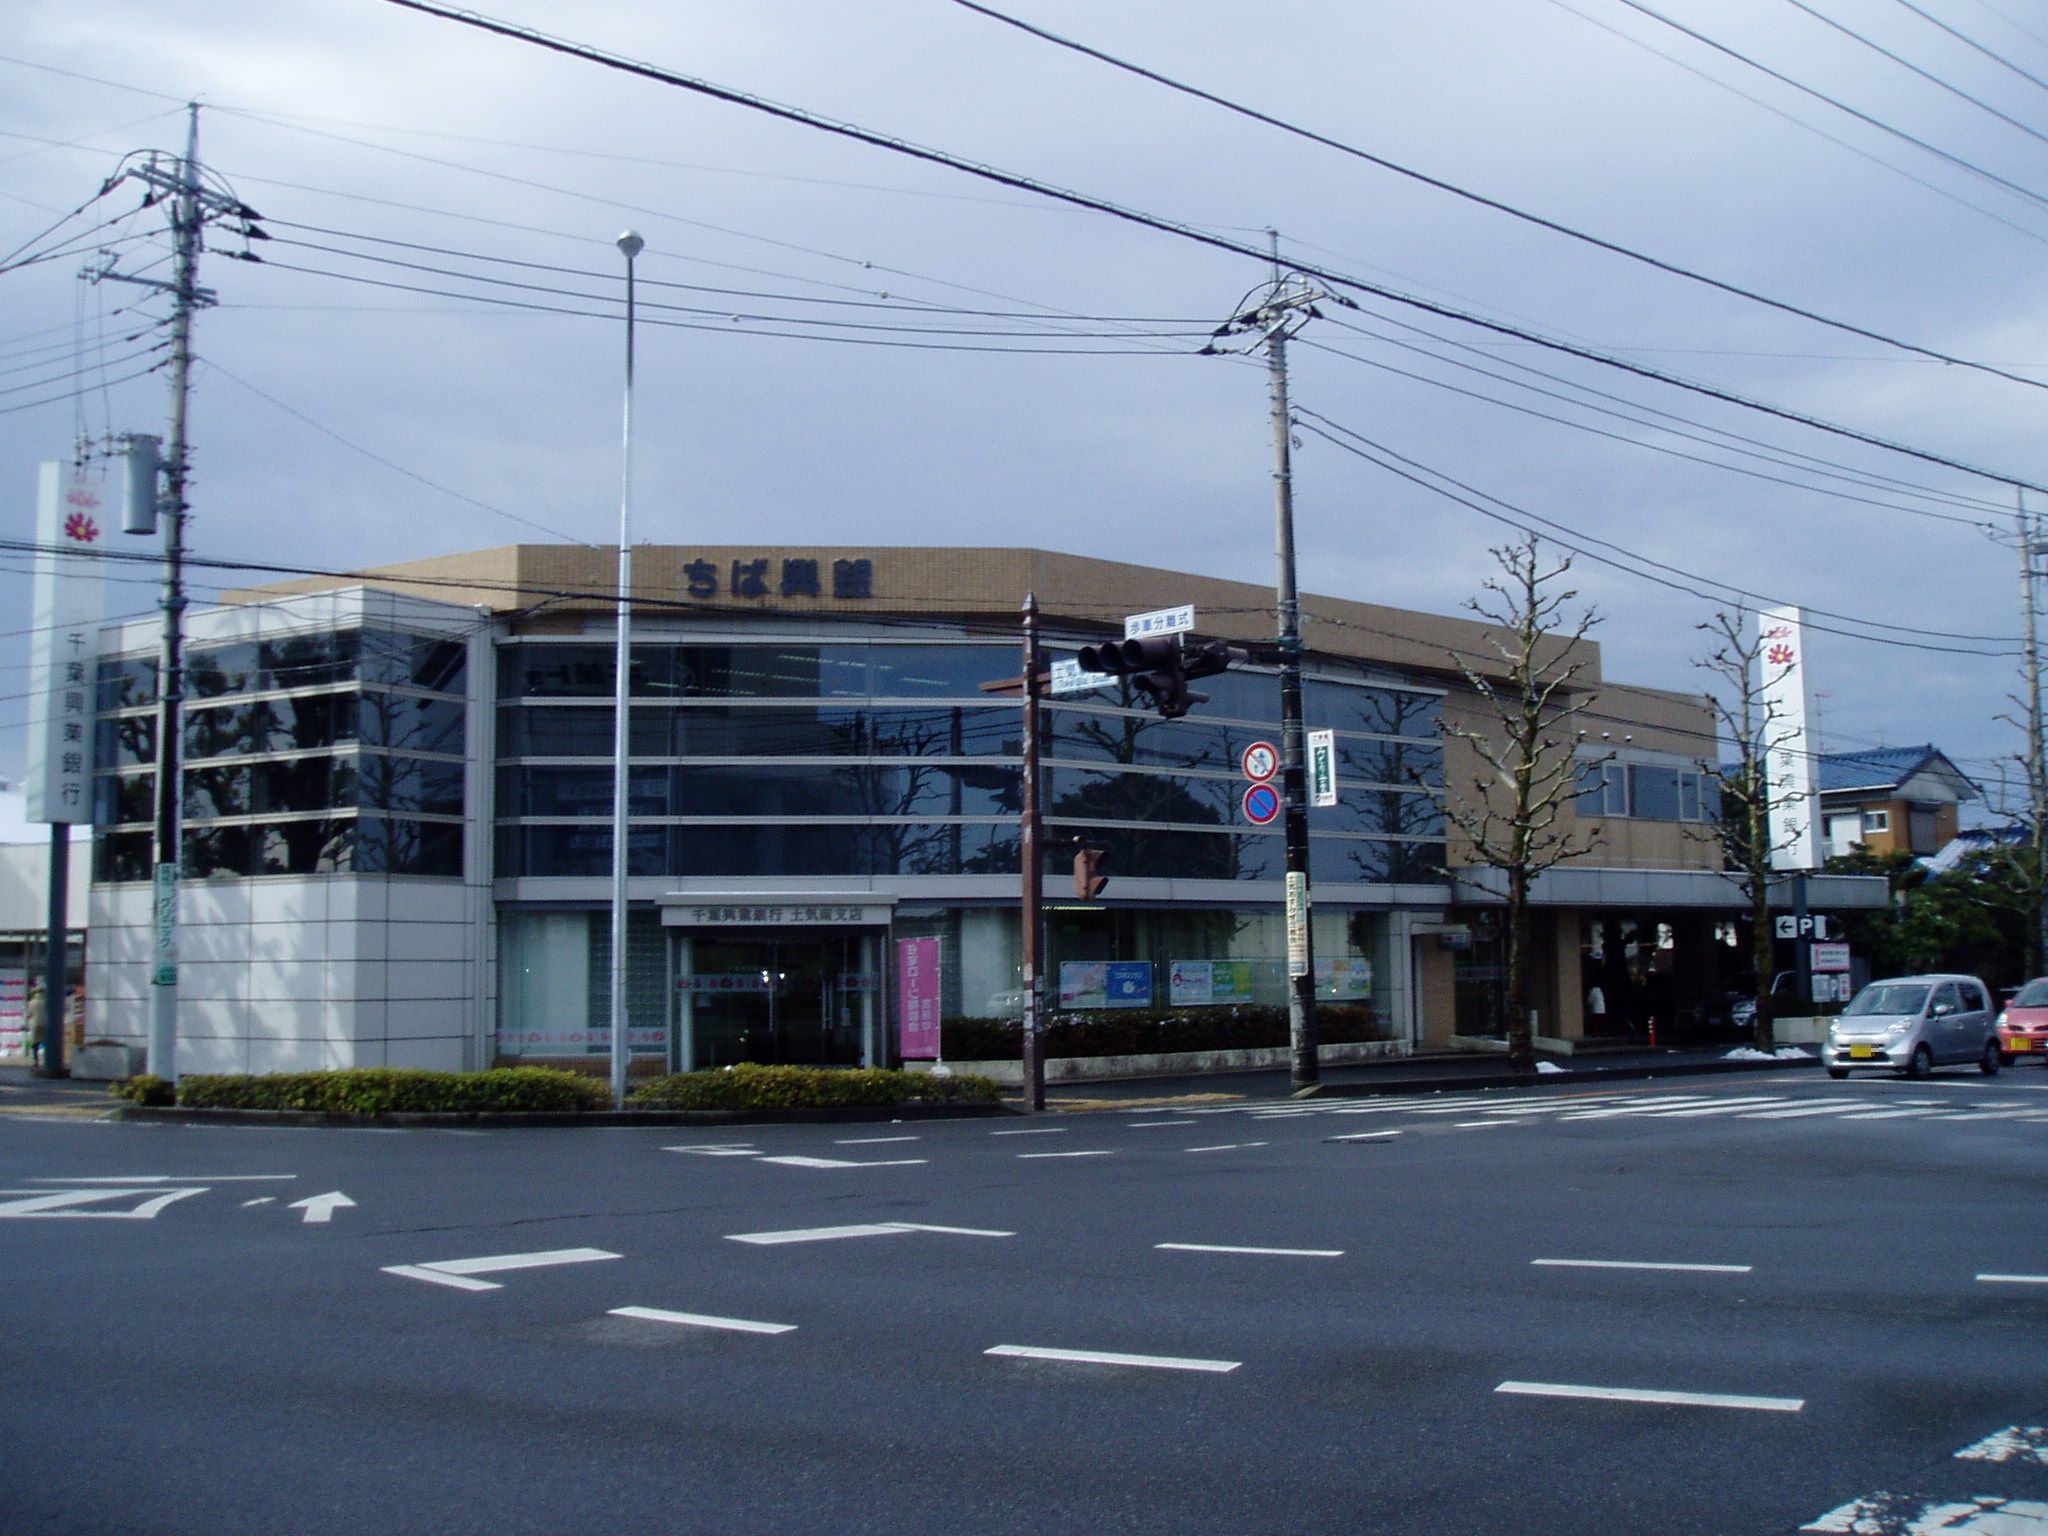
x: 917, y: 975
x: 64, y: 643
x: 1788, y: 759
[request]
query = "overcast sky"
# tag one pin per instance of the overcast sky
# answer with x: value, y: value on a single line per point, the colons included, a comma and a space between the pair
x: 866, y: 350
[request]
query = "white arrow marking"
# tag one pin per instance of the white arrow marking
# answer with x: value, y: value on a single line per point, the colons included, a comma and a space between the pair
x: 701, y: 1320
x: 456, y: 1272
x: 321, y: 1208
x: 868, y: 1229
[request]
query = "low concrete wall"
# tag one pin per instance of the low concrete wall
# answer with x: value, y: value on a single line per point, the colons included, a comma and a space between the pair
x: 1799, y: 1031
x: 1078, y: 1069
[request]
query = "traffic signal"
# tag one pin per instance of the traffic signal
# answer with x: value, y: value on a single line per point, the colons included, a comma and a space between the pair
x: 1159, y: 666
x: 1088, y: 877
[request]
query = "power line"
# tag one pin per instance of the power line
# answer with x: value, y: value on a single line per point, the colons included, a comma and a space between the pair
x: 1925, y: 74
x: 1522, y: 518
x: 1612, y: 247
x: 1840, y: 106
x: 1184, y: 231
x: 1970, y: 42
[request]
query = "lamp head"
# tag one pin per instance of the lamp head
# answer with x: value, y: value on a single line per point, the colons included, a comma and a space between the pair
x: 631, y: 243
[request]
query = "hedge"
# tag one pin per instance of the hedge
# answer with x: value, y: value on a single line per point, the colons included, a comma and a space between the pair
x: 748, y: 1086
x: 381, y: 1090
x: 1149, y: 1032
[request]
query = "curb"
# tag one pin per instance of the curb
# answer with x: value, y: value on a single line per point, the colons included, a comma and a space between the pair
x: 566, y: 1119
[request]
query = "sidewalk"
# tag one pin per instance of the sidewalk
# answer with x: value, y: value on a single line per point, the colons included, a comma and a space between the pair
x: 22, y: 1092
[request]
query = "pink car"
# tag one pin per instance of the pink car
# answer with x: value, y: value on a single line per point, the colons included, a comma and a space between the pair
x: 2023, y: 1024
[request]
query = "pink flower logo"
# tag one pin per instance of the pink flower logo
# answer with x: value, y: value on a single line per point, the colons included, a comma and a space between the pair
x: 1779, y: 656
x: 80, y: 529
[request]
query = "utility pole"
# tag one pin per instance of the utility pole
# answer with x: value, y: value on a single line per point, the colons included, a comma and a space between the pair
x: 1272, y: 315
x: 1033, y: 861
x: 192, y: 207
x: 2031, y: 546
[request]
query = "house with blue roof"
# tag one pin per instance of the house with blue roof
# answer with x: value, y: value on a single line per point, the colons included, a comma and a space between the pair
x: 1890, y: 800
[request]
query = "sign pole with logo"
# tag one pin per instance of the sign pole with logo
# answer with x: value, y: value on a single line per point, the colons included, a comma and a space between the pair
x: 1787, y: 688
x: 63, y: 658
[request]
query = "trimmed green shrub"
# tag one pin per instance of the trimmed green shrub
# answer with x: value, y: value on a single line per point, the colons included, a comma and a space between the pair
x: 143, y: 1088
x: 388, y: 1090
x: 748, y: 1086
x: 1149, y: 1032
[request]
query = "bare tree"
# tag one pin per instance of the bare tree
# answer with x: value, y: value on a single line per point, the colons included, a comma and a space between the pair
x: 1513, y: 815
x: 1743, y: 830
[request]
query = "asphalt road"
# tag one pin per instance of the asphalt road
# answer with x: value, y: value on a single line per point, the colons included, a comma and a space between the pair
x: 1758, y: 1304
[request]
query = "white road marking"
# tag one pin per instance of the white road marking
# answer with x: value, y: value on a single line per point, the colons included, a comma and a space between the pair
x: 259, y: 1200
x: 458, y: 1272
x: 1885, y: 1114
x: 1277, y: 1253
x: 1042, y: 1130
x: 1700, y: 1269
x: 1146, y: 1125
x: 846, y: 1162
x: 1985, y: 1114
x: 716, y: 1149
x: 2022, y: 1443
x: 1651, y: 1395
x: 863, y: 1229
x: 1740, y: 1106
x: 171, y: 1178
x: 1026, y: 1157
x: 700, y: 1320
x: 1228, y: 1146
x: 872, y: 1141
x: 1105, y: 1357
x: 2014, y: 1279
x: 1364, y: 1136
x: 1478, y: 1125
x: 58, y: 1205
x: 320, y: 1209
x: 1888, y: 1514
x: 1798, y: 1112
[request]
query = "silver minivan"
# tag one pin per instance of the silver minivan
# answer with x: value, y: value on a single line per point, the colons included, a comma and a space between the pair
x: 1913, y: 1024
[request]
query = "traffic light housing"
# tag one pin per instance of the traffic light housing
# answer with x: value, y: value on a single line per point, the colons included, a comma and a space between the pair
x: 1088, y: 877
x: 1159, y: 667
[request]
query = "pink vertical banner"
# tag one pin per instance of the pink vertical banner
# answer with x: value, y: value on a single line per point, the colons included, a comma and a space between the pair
x: 917, y: 991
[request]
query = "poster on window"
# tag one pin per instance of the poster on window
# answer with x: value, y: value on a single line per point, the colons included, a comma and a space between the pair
x: 917, y: 998
x: 1344, y: 980
x: 1106, y: 984
x: 1209, y: 983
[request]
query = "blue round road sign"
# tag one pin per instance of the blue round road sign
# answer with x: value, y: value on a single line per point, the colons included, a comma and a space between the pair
x: 1261, y: 804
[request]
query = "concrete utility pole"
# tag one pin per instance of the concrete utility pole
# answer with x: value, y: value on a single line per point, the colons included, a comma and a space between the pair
x: 1272, y: 315
x: 2031, y: 547
x: 192, y: 205
x: 1033, y: 862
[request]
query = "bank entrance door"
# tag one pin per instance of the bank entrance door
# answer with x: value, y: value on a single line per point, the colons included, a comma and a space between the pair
x: 808, y: 999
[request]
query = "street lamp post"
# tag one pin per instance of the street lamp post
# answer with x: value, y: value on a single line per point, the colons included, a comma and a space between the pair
x: 622, y: 691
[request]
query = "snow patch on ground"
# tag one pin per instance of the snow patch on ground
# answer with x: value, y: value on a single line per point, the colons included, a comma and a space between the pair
x: 1548, y: 1066
x: 1783, y: 1053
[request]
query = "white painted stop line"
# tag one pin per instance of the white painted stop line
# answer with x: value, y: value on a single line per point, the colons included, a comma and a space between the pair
x: 1652, y: 1395
x: 1105, y: 1357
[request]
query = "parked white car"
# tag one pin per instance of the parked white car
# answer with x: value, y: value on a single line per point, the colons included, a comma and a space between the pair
x: 1913, y: 1024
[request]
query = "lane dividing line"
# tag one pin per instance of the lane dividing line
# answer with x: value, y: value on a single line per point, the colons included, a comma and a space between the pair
x: 1277, y: 1253
x: 1649, y: 1395
x: 1029, y: 1156
x: 700, y: 1320
x: 172, y: 1178
x: 1104, y: 1357
x: 1480, y: 1125
x: 1146, y: 1125
x: 872, y: 1141
x: 1364, y: 1136
x: 846, y: 1162
x: 1043, y: 1130
x: 2014, y: 1279
x: 864, y: 1229
x: 1228, y: 1146
x: 1691, y: 1269
x: 458, y: 1273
